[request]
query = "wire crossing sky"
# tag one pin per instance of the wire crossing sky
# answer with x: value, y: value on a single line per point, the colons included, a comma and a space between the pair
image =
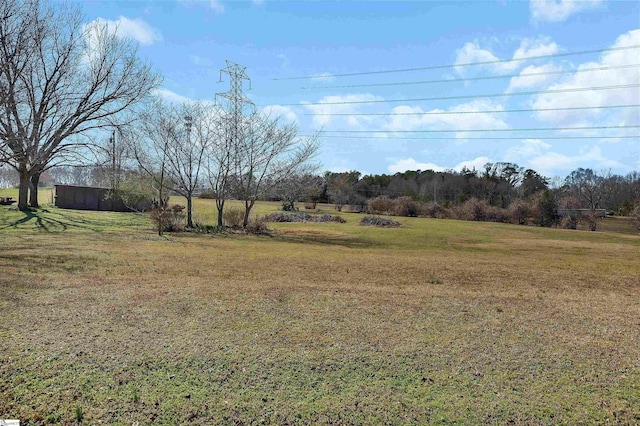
x: 400, y: 85
x: 468, y: 64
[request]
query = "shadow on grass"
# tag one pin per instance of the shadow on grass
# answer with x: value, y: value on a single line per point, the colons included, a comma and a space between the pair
x: 320, y: 238
x: 48, y: 221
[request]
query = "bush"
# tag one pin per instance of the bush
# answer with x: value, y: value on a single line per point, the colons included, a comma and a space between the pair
x: 496, y: 214
x: 519, y: 212
x: 258, y: 225
x: 329, y: 218
x: 472, y: 209
x: 379, y: 221
x: 233, y: 216
x: 544, y: 209
x: 405, y: 206
x: 288, y: 206
x: 302, y: 217
x: 479, y: 210
x: 569, y: 222
x: 380, y: 205
x: 170, y: 219
x: 636, y: 215
x: 570, y: 215
x: 434, y: 210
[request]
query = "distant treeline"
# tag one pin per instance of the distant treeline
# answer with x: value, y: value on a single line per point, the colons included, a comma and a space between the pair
x: 497, y: 185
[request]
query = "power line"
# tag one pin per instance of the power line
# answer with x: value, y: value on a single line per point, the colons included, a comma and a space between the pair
x: 472, y: 137
x: 530, y: 129
x: 434, y: 67
x: 471, y: 112
x: 454, y: 80
x: 493, y: 95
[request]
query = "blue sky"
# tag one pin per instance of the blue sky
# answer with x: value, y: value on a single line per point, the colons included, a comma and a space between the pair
x: 189, y: 41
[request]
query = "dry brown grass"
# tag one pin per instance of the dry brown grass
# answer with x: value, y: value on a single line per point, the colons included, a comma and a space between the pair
x: 434, y: 322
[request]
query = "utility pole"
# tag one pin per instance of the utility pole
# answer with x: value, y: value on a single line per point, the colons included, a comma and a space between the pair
x: 114, y: 184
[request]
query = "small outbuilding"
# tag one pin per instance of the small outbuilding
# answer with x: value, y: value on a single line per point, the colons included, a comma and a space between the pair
x: 91, y: 198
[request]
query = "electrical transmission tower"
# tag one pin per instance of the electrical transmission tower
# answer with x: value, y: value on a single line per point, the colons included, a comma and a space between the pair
x: 236, y: 99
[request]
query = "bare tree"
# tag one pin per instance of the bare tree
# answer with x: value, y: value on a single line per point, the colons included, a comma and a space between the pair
x: 170, y: 147
x: 150, y: 147
x: 60, y: 78
x: 219, y: 161
x: 196, y: 130
x: 267, y: 153
x: 297, y: 187
x: 590, y: 188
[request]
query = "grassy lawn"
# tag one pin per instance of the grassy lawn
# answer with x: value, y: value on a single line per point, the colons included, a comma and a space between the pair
x: 438, y: 321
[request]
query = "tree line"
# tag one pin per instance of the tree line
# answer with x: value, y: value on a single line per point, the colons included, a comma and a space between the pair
x: 499, y: 184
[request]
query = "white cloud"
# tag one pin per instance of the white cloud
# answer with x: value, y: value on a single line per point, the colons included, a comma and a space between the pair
x: 136, y: 29
x: 538, y: 155
x: 553, y: 163
x: 281, y: 111
x: 462, y: 121
x: 472, y: 52
x: 342, y: 165
x: 606, y: 77
x: 170, y: 96
x: 200, y: 61
x: 527, y: 149
x: 525, y: 82
x: 540, y: 46
x: 216, y: 6
x: 559, y: 10
x: 411, y: 164
x: 350, y: 120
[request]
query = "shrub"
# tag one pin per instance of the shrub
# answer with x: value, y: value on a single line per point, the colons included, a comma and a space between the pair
x: 405, y: 206
x: 233, y: 216
x: 169, y: 218
x: 569, y: 222
x: 329, y: 218
x: 544, y: 209
x: 288, y: 217
x: 434, y: 210
x: 636, y: 215
x: 379, y: 221
x: 496, y: 214
x: 570, y: 216
x: 288, y: 206
x: 472, y: 209
x: 380, y: 205
x: 519, y: 212
x: 258, y: 225
x: 302, y: 217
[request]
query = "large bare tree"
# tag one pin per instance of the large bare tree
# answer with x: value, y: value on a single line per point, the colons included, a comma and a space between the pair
x: 220, y: 160
x: 171, y: 144
x: 267, y: 153
x: 59, y: 79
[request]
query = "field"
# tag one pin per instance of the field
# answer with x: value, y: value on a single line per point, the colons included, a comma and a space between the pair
x: 435, y: 322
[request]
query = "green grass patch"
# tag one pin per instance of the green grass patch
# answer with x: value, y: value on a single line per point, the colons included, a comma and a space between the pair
x: 435, y: 322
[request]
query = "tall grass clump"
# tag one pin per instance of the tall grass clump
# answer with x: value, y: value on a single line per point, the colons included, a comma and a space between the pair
x: 233, y: 216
